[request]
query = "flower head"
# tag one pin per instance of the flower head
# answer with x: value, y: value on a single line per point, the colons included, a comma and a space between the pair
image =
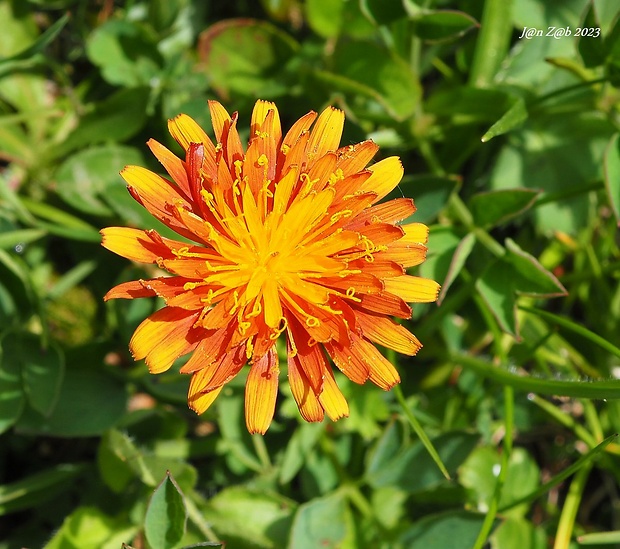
x: 286, y: 239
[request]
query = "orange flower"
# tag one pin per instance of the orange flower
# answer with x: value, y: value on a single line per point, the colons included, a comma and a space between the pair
x: 289, y: 239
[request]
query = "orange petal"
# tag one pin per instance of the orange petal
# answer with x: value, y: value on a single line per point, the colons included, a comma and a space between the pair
x: 322, y: 170
x: 332, y: 400
x: 228, y: 366
x: 385, y: 303
x: 197, y: 399
x: 128, y: 290
x: 380, y: 370
x: 309, y: 358
x: 407, y: 254
x: 261, y: 389
x: 413, y: 289
x: 156, y: 194
x: 308, y: 403
x: 386, y: 332
x: 163, y: 337
x: 353, y: 158
x: 348, y: 362
x: 209, y: 353
x: 386, y: 174
x: 381, y: 234
x: 326, y: 133
x: 172, y: 164
x: 162, y: 287
x: 381, y: 268
x: 388, y: 212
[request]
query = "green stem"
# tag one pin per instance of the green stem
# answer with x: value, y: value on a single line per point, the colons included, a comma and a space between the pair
x: 415, y: 425
x: 261, y: 451
x: 571, y: 506
x: 489, y: 519
x: 197, y: 518
x: 493, y: 42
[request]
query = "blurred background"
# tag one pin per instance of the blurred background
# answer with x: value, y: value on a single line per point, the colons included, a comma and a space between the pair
x: 505, y: 114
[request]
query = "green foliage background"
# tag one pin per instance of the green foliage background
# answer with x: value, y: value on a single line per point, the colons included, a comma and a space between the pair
x: 511, y: 150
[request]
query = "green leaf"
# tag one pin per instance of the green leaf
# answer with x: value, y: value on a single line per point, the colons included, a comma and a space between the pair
x: 11, y: 239
x: 166, y: 516
x: 248, y: 518
x: 511, y: 119
x: 299, y: 446
x: 443, y: 243
x: 591, y: 49
x: 61, y: 223
x: 116, y: 118
x: 382, y: 12
x: 437, y: 26
x: 119, y: 451
x: 36, y: 489
x: 598, y: 390
x: 246, y: 57
x: 452, y: 448
x: 397, y: 89
x: 461, y: 253
x: 576, y: 328
x: 518, y: 533
x: 430, y: 194
x: 496, y: 207
x: 600, y: 538
x: 125, y: 53
x: 612, y: 174
x: 466, y: 105
x: 516, y: 273
x: 479, y: 475
x: 85, y: 177
x: 585, y: 459
x: 90, y: 402
x: 454, y: 529
x: 41, y: 370
x: 323, y: 522
x: 8, y: 64
x: 89, y: 527
x: 330, y: 19
x: 559, y: 154
x: 12, y: 394
x: 114, y: 469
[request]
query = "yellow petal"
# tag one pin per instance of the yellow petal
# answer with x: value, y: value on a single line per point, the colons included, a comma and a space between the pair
x: 186, y: 130
x: 415, y: 232
x: 219, y: 118
x: 134, y: 244
x: 163, y: 337
x: 386, y: 174
x: 332, y: 400
x: 326, y: 133
x: 261, y: 389
x: 413, y: 289
x: 384, y: 331
x: 198, y: 400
